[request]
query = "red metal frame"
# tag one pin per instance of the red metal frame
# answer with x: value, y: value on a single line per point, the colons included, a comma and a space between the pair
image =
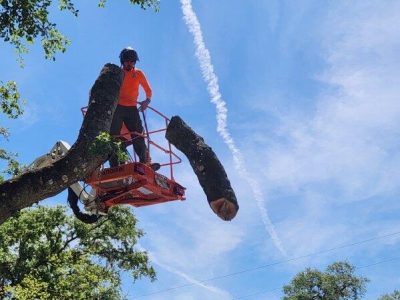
x: 135, y: 183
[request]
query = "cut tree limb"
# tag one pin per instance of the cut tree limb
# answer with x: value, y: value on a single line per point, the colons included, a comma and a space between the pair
x: 36, y: 185
x: 210, y: 172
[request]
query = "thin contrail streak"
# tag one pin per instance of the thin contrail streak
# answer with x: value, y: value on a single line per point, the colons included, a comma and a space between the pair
x: 207, y: 70
x: 190, y: 279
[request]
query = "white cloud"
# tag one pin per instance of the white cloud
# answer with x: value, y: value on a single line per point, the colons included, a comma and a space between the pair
x: 352, y: 137
x: 321, y: 162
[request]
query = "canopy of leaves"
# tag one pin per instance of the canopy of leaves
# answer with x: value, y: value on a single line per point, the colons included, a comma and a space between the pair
x: 338, y: 282
x: 45, y: 254
x: 22, y: 22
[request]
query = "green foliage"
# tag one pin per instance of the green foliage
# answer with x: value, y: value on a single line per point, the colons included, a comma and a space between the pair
x: 10, y: 100
x: 393, y: 296
x: 338, y: 282
x: 143, y: 3
x: 55, y: 42
x: 21, y: 22
x: 104, y: 144
x: 11, y: 106
x: 13, y: 166
x: 45, y: 254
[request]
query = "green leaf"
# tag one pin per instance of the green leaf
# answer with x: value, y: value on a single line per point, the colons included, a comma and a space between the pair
x: 337, y: 282
x: 47, y: 254
x: 105, y: 144
x: 10, y: 102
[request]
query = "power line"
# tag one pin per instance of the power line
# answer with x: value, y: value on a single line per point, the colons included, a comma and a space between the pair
x: 379, y: 262
x: 271, y: 264
x: 273, y: 290
x: 257, y: 293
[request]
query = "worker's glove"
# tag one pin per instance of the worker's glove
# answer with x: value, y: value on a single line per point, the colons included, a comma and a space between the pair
x: 144, y: 104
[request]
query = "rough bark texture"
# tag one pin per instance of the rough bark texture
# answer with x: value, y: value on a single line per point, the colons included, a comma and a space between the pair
x: 205, y: 164
x: 39, y: 184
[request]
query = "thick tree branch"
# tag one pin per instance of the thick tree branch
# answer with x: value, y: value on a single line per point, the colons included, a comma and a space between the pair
x: 78, y: 163
x: 210, y: 172
x: 39, y: 184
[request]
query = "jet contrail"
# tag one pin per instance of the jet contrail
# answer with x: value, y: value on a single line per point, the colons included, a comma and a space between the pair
x: 207, y: 70
x: 190, y: 279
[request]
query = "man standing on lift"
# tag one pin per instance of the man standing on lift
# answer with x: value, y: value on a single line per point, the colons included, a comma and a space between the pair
x: 127, y: 111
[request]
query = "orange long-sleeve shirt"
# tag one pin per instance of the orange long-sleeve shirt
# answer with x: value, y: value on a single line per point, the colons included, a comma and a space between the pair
x: 129, y: 91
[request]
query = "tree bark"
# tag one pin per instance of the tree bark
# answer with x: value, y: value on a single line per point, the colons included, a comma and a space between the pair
x: 210, y: 172
x: 36, y: 185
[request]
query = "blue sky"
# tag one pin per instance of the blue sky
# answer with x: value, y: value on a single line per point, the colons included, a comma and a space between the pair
x: 312, y: 97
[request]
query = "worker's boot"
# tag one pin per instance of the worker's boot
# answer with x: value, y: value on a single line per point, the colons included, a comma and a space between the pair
x: 154, y: 166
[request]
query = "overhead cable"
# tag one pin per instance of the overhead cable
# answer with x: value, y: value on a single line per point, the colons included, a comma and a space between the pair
x: 260, y: 267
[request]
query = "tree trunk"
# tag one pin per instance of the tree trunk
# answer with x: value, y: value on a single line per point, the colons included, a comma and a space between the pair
x: 36, y: 185
x: 39, y: 184
x: 210, y: 172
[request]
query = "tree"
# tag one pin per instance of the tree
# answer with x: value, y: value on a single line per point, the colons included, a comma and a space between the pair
x: 45, y: 254
x: 336, y: 283
x: 38, y: 184
x: 393, y: 296
x: 23, y: 23
x: 89, y: 151
x: 85, y: 155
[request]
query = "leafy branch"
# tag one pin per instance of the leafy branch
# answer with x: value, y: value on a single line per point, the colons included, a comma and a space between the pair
x: 105, y: 144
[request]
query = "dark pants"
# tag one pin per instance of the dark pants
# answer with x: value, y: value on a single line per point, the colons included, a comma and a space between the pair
x: 130, y: 116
